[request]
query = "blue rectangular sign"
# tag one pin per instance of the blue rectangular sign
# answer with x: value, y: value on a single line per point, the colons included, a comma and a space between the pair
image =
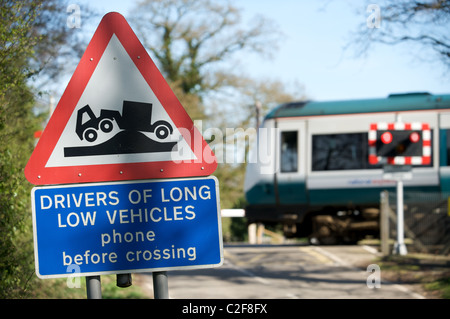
x: 126, y: 227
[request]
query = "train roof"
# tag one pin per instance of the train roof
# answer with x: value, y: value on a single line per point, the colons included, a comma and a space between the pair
x: 394, y: 102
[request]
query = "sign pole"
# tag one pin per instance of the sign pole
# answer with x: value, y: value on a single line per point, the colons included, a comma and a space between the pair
x: 160, y: 285
x: 384, y: 222
x: 399, y: 173
x: 400, y: 247
x: 93, y: 287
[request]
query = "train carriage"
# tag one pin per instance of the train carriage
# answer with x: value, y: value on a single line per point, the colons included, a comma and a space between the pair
x: 309, y: 168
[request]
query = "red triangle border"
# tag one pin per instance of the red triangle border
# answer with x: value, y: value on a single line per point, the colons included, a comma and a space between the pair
x: 35, y: 170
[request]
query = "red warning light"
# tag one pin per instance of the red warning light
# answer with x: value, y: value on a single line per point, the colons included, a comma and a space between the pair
x: 386, y: 137
x: 414, y: 137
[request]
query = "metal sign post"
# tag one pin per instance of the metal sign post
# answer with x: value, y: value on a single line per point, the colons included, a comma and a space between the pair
x: 93, y: 287
x: 399, y: 174
x: 160, y: 285
x: 399, y: 246
x: 384, y: 222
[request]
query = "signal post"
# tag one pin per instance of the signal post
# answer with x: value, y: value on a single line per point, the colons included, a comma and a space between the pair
x: 399, y: 146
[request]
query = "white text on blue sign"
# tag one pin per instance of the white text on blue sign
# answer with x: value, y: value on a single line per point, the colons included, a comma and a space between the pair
x: 118, y: 227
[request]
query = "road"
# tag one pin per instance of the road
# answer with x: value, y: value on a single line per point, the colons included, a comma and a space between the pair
x: 284, y: 272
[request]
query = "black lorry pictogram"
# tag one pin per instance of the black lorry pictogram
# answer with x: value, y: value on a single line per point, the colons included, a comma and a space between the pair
x: 135, y: 118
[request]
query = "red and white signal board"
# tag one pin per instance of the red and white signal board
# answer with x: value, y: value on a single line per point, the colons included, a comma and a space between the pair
x: 400, y: 143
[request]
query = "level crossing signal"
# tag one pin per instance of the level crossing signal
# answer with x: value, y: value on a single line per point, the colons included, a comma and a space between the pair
x: 400, y: 143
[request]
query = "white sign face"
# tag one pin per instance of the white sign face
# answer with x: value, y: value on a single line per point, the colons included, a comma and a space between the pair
x: 115, y: 80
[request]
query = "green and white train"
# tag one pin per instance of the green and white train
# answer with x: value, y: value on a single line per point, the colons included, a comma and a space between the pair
x: 309, y: 169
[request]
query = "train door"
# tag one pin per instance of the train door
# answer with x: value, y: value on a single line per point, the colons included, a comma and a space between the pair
x: 291, y: 166
x: 444, y: 153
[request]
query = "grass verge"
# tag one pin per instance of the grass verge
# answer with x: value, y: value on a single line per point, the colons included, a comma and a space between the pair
x: 59, y: 289
x: 430, y: 272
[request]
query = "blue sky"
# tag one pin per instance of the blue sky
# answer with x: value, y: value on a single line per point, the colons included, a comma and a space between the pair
x: 312, y: 51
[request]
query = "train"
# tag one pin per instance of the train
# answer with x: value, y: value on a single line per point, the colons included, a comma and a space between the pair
x: 309, y: 168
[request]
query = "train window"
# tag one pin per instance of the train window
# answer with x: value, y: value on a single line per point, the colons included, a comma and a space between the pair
x: 345, y: 152
x: 289, y: 152
x: 340, y: 152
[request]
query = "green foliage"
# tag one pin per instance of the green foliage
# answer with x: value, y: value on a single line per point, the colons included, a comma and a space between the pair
x: 429, y: 270
x: 17, y: 125
x: 231, y: 184
x: 234, y: 229
x: 16, y: 46
x: 58, y: 289
x: 111, y: 291
x: 442, y: 285
x: 32, y: 34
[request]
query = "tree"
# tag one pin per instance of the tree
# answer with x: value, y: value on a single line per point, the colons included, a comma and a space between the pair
x: 194, y: 43
x: 258, y: 96
x: 31, y: 36
x: 423, y: 23
x: 16, y: 122
x: 252, y: 99
x: 191, y: 39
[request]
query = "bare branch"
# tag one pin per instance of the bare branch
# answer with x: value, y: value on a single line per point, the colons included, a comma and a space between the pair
x: 425, y: 23
x: 188, y: 37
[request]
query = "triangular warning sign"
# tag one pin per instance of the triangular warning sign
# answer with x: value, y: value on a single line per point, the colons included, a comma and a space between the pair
x: 118, y: 119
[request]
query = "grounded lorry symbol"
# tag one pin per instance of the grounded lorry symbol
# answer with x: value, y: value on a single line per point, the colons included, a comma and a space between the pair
x: 135, y: 116
x: 134, y: 122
